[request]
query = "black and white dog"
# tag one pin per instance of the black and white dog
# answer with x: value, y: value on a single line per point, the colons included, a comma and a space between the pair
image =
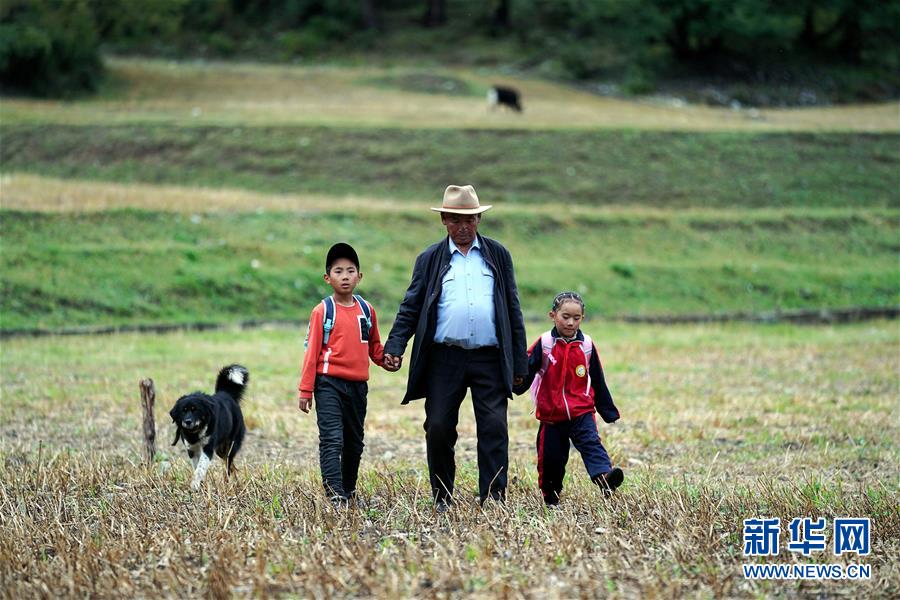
x: 504, y: 96
x: 212, y: 423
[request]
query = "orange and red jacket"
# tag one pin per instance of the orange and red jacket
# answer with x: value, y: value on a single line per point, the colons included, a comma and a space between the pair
x: 349, y: 349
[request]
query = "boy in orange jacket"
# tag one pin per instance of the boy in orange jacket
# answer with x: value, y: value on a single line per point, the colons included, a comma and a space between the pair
x: 341, y: 339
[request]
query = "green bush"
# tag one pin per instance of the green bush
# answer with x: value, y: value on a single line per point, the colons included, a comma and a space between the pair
x: 221, y: 44
x: 640, y: 39
x: 639, y: 81
x: 49, y: 48
x: 318, y: 34
x: 136, y: 21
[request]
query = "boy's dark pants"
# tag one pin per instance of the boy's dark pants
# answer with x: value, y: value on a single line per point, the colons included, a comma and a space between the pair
x: 340, y: 414
x: 450, y: 372
x: 553, y: 453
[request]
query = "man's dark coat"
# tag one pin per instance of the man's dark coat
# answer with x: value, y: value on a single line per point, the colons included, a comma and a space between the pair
x: 418, y: 314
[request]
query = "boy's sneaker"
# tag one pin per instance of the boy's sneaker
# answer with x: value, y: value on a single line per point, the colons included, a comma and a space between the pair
x: 608, y: 482
x: 442, y: 506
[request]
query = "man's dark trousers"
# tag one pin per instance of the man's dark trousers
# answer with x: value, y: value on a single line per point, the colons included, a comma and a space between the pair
x: 340, y: 415
x: 451, y: 370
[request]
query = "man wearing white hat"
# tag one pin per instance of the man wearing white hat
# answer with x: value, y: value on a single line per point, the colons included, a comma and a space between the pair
x: 463, y: 308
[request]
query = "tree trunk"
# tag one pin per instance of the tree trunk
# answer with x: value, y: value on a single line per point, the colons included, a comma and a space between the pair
x: 677, y: 38
x: 435, y: 13
x: 851, y: 36
x: 148, y: 398
x: 370, y: 15
x: 808, y: 37
x: 500, y: 21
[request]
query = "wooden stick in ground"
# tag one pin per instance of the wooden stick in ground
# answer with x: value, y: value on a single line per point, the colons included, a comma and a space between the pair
x: 148, y: 397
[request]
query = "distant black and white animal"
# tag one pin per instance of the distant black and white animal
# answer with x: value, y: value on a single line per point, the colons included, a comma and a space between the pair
x: 208, y: 424
x: 504, y: 96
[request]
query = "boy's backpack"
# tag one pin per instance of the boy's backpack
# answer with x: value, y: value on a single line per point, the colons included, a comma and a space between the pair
x: 547, y: 341
x: 328, y: 319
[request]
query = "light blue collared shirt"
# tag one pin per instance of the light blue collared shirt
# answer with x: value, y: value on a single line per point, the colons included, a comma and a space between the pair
x: 465, y: 315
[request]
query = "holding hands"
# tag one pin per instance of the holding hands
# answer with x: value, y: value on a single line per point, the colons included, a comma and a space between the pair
x: 519, y: 386
x: 392, y: 363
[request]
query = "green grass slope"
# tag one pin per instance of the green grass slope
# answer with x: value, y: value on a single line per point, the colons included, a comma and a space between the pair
x: 592, y: 168
x: 125, y: 266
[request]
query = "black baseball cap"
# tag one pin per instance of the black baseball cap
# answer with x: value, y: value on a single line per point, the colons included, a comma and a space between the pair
x: 341, y: 250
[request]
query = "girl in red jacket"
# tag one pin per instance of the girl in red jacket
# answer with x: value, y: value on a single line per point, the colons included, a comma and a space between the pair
x: 567, y: 386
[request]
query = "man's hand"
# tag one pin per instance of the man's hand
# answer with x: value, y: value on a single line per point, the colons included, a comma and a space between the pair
x: 304, y: 403
x: 392, y: 363
x: 518, y: 386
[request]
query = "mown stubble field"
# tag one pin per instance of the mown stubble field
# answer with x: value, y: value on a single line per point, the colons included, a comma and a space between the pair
x: 720, y: 423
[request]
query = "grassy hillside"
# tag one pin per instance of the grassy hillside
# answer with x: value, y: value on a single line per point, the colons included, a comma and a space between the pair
x: 202, y: 264
x: 241, y: 94
x: 209, y: 192
x: 598, y: 168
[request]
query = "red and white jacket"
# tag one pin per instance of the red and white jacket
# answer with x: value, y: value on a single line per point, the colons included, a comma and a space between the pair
x: 566, y: 379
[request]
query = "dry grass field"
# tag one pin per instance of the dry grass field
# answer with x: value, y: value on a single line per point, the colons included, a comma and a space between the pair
x: 720, y: 423
x: 206, y: 93
x: 35, y: 193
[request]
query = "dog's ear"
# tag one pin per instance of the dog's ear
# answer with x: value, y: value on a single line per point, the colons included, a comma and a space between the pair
x: 175, y: 413
x: 176, y: 410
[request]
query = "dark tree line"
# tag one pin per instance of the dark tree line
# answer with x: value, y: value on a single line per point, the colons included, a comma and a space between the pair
x: 52, y: 47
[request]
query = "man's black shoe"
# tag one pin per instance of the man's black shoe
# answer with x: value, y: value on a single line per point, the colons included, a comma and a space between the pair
x: 339, y: 503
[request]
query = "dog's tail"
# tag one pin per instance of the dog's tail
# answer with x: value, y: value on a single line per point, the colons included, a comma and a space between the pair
x: 233, y: 379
